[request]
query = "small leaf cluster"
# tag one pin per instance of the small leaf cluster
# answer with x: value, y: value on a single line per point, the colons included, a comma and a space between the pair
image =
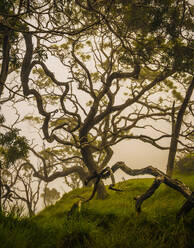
x: 41, y: 54
x: 12, y: 146
x: 185, y: 163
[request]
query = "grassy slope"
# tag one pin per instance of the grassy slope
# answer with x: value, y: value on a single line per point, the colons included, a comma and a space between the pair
x: 107, y: 223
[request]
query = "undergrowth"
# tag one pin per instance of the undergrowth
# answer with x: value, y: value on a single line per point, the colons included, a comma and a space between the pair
x: 111, y: 223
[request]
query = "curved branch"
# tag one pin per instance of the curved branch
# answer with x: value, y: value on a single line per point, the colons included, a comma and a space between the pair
x: 108, y: 156
x: 25, y: 72
x: 84, y: 68
x: 91, y: 120
x: 67, y: 171
x: 69, y: 112
x: 7, y: 195
x: 5, y: 62
x: 160, y: 178
x: 148, y: 193
x: 163, y: 75
x: 146, y: 139
x: 49, y: 73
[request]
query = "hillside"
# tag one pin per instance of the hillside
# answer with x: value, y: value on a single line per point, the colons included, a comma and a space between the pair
x: 107, y: 223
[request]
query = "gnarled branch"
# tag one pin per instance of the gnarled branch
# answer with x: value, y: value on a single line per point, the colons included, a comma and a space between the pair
x: 160, y: 177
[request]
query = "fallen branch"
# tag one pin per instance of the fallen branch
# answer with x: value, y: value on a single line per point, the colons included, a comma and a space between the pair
x: 160, y: 177
x: 186, y: 208
x: 148, y: 193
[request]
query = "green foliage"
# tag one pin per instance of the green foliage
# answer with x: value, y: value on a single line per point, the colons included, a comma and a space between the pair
x: 185, y: 164
x: 5, y: 5
x: 74, y: 181
x: 157, y: 27
x: 50, y: 196
x: 33, y: 119
x: 12, y: 146
x: 177, y: 95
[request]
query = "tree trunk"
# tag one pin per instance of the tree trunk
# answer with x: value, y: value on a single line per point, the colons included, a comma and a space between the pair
x: 91, y: 164
x: 30, y: 211
x: 176, y: 130
x: 101, y: 191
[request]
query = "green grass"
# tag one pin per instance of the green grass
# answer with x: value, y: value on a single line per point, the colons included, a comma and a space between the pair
x: 111, y: 223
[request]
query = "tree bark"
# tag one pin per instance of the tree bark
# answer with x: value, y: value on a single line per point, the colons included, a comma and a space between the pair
x: 90, y: 162
x: 176, y: 130
x: 5, y: 62
x: 148, y: 193
x: 101, y: 191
